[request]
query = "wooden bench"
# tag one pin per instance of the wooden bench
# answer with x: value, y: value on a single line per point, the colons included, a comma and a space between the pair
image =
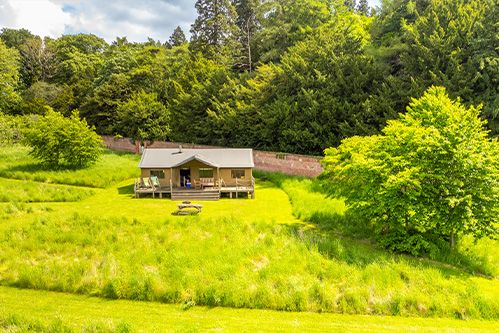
x: 207, y: 182
x: 188, y: 208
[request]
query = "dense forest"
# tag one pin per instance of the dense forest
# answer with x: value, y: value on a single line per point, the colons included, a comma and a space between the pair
x: 285, y: 75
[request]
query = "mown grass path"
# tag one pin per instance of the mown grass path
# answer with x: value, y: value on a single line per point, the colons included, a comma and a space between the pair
x: 76, y: 310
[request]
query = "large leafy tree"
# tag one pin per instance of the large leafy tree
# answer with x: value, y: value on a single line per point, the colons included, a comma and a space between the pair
x: 143, y: 117
x: 39, y: 59
x: 15, y: 37
x: 433, y: 170
x: 63, y: 142
x: 196, y: 85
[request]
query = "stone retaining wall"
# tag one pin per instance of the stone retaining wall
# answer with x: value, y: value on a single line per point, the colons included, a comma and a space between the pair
x: 290, y: 164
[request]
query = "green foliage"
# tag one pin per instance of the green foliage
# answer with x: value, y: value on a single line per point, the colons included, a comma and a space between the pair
x: 213, y: 32
x: 177, y: 38
x: 324, y: 90
x: 432, y: 170
x: 58, y: 141
x: 40, y: 97
x: 285, y: 23
x: 14, y: 38
x: 9, y: 72
x: 454, y: 44
x: 143, y: 117
x: 11, y: 129
x: 192, y: 101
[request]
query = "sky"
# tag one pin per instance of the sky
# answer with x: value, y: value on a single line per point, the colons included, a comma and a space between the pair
x: 135, y: 19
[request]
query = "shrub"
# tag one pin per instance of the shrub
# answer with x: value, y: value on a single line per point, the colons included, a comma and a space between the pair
x: 59, y: 141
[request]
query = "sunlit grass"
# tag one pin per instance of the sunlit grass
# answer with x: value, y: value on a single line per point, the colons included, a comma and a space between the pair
x: 279, y: 251
x: 34, y: 308
x: 311, y: 204
x: 111, y: 168
x: 237, y: 253
x: 30, y: 191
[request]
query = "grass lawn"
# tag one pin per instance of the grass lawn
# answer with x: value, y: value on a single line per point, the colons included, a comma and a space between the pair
x: 111, y: 168
x: 75, y: 311
x: 267, y: 253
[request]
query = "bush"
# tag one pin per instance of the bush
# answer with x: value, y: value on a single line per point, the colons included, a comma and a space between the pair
x: 59, y: 141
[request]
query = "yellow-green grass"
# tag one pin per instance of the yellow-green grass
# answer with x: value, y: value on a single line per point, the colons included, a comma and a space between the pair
x: 237, y: 253
x: 111, y: 168
x: 311, y: 204
x: 30, y: 191
x: 77, y: 313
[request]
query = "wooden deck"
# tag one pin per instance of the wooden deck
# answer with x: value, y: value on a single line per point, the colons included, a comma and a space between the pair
x: 189, y: 193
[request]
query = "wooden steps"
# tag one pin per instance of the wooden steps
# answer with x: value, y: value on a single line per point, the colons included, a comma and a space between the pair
x: 195, y: 195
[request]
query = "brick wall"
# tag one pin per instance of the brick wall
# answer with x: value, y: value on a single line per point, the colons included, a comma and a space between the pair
x: 290, y: 164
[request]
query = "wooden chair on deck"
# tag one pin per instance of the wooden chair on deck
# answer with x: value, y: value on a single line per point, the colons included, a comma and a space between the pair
x: 197, y: 184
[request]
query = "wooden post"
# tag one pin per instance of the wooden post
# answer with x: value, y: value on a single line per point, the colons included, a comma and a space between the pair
x: 171, y: 182
x: 237, y: 192
x: 252, y: 187
x: 219, y: 185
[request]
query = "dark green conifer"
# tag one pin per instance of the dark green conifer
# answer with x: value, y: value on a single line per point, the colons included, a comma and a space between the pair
x: 177, y: 38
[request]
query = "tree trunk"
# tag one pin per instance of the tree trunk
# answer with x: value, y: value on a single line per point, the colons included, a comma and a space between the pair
x: 451, y: 240
x: 249, y: 40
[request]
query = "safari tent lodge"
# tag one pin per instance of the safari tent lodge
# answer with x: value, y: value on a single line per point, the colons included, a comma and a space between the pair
x: 196, y: 174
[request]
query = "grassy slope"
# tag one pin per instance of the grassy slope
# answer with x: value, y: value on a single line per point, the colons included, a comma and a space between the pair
x: 30, y: 191
x: 237, y: 253
x: 112, y: 167
x: 76, y: 311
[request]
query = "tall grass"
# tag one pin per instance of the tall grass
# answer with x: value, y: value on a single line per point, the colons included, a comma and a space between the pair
x: 14, y: 209
x: 29, y: 191
x: 11, y: 322
x: 311, y: 204
x: 235, y: 263
x: 112, y: 168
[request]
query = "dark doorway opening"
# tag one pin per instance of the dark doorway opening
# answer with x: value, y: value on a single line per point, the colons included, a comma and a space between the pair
x: 185, y: 177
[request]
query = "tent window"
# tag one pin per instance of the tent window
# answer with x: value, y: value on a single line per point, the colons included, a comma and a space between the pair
x: 237, y: 173
x: 158, y: 173
x: 205, y: 173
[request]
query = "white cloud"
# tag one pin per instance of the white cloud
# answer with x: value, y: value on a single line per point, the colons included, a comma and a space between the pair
x: 41, y: 17
x: 136, y: 20
x: 108, y: 19
x: 105, y: 18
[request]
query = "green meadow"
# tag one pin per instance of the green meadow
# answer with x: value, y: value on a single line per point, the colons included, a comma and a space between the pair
x: 290, y: 249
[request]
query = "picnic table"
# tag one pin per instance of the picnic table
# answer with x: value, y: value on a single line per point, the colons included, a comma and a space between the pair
x: 185, y: 208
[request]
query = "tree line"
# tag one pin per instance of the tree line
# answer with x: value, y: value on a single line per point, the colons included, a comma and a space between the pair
x: 283, y: 75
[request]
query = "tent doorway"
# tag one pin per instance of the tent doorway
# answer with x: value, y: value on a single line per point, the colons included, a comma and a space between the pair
x: 185, y: 177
